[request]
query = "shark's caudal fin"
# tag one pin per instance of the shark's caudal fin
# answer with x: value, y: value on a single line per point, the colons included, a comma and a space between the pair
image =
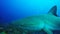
x: 53, y: 11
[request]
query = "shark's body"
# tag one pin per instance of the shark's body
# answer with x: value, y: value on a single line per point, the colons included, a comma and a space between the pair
x: 47, y: 22
x: 38, y: 22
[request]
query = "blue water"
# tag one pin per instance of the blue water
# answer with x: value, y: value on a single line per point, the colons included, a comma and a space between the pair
x: 16, y: 9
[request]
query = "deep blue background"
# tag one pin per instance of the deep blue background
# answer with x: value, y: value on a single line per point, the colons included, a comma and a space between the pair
x: 16, y: 9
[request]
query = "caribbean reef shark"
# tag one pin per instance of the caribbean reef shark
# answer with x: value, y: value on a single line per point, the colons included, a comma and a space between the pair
x: 46, y: 22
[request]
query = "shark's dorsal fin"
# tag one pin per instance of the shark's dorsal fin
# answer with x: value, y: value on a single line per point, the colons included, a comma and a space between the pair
x: 53, y: 11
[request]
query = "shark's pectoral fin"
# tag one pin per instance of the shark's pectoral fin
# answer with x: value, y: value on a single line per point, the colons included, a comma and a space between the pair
x: 53, y: 11
x: 48, y: 31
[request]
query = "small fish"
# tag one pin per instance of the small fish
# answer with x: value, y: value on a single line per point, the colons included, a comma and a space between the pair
x: 47, y: 22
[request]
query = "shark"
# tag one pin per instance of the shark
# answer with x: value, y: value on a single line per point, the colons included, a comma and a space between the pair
x: 46, y: 22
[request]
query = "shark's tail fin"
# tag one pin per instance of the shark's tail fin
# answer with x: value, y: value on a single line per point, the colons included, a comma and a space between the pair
x: 53, y: 11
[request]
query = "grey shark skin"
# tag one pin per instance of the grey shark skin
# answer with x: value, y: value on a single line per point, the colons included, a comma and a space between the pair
x: 46, y: 22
